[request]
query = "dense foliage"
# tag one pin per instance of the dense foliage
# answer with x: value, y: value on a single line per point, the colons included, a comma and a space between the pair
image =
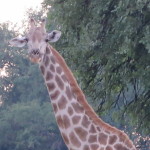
x: 29, y: 125
x: 106, y: 44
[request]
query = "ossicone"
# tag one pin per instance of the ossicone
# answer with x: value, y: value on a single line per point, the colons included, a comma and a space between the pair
x: 43, y: 22
x: 32, y: 22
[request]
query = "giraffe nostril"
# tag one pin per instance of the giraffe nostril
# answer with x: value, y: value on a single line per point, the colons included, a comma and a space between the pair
x: 35, y: 52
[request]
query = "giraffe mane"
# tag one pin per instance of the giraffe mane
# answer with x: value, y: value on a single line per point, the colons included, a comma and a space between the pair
x: 82, y: 100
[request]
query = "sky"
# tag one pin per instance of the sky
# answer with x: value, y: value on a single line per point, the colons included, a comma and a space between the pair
x: 14, y: 10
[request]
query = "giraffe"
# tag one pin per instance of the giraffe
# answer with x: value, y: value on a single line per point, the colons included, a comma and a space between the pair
x: 79, y: 125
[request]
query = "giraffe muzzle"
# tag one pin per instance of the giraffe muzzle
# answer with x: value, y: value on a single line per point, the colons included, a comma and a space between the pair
x: 35, y: 56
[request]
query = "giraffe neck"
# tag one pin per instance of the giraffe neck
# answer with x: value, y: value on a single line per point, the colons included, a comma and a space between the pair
x: 80, y: 127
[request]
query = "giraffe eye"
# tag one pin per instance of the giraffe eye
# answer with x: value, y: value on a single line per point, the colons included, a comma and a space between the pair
x: 46, y: 40
x: 26, y: 39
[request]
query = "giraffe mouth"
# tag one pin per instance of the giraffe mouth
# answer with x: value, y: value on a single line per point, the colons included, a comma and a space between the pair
x: 35, y: 58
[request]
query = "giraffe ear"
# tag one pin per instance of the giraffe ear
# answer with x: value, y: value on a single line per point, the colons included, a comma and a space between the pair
x: 18, y: 41
x: 54, y: 36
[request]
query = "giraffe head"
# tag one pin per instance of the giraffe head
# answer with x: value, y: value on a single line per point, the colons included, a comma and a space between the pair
x: 36, y: 39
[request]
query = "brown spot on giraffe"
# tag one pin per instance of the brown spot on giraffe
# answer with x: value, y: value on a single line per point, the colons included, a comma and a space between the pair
x: 52, y: 68
x: 70, y: 111
x: 55, y: 95
x: 66, y: 121
x: 51, y: 86
x: 86, y: 147
x: 112, y: 139
x: 108, y: 148
x: 82, y: 133
x: 76, y: 119
x: 58, y: 70
x: 47, y: 51
x: 60, y: 121
x: 42, y: 69
x: 102, y: 138
x: 121, y: 137
x: 59, y: 82
x: 74, y: 140
x: 92, y: 139
x: 85, y: 121
x: 47, y: 60
x: 49, y: 76
x: 77, y: 108
x: 55, y: 107
x: 53, y: 59
x: 94, y: 146
x: 64, y: 78
x: 62, y: 102
x: 92, y: 129
x: 98, y: 129
x: 68, y: 93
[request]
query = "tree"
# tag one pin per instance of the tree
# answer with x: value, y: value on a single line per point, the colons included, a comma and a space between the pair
x: 106, y: 43
x: 29, y: 125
